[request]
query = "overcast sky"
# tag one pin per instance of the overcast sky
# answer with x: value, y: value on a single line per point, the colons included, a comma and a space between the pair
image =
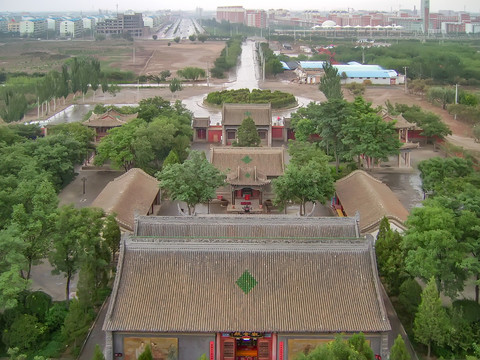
x: 143, y: 5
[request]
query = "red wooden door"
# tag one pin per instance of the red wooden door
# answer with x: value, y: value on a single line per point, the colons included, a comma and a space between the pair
x: 264, y: 347
x: 228, y: 349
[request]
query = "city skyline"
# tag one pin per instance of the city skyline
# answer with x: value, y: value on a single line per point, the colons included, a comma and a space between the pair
x: 207, y: 5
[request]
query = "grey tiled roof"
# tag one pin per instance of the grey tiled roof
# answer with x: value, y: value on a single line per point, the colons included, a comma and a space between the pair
x: 234, y: 114
x: 188, y: 287
x: 359, y: 191
x: 134, y: 191
x: 268, y: 160
x: 246, y: 227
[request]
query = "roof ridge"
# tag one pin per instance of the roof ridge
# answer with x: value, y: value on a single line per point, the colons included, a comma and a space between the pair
x: 362, y: 172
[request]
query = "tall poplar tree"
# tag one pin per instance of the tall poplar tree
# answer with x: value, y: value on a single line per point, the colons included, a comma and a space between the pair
x: 431, y: 321
x: 330, y: 82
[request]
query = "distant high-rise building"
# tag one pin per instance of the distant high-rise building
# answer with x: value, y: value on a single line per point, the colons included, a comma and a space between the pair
x: 234, y: 14
x: 256, y: 18
x: 425, y: 13
x: 131, y: 23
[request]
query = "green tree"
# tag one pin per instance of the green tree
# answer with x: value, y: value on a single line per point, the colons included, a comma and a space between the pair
x: 431, y: 322
x: 98, y: 354
x: 14, y: 354
x: 164, y: 74
x: 38, y: 303
x: 273, y: 67
x: 367, y: 135
x: 399, y: 350
x: 67, y: 245
x: 335, y: 114
x: 301, y: 184
x: 94, y: 75
x: 191, y: 73
x: 435, y: 171
x: 34, y: 225
x: 175, y: 85
x: 433, y: 127
x: 95, y: 262
x: 302, y: 152
x: 193, y: 182
x: 77, y: 322
x: 247, y: 134
x: 81, y: 133
x: 432, y: 249
x: 360, y: 345
x: 112, y: 235
x: 58, y: 154
x: 409, y: 297
x: 306, y: 121
x: 430, y: 123
x: 12, y: 261
x: 24, y: 333
x: 171, y: 159
x: 390, y: 259
x: 330, y: 82
x: 192, y: 37
x: 13, y: 105
x: 202, y: 37
x: 118, y: 146
x: 339, y: 349
x: 177, y: 39
x: 441, y: 95
x: 146, y: 354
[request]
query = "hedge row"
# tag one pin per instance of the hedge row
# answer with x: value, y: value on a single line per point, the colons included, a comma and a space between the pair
x: 277, y: 98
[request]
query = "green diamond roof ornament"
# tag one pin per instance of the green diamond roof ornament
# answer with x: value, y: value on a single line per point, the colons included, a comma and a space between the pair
x: 247, y: 175
x: 248, y: 113
x: 246, y: 282
x: 246, y: 159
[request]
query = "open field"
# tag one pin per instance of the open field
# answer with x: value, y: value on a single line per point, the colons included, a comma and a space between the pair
x: 141, y: 56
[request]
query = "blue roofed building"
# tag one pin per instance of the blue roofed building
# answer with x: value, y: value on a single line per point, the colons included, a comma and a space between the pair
x: 310, y: 72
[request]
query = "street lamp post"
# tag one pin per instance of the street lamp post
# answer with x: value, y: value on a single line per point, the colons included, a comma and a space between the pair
x: 84, y: 180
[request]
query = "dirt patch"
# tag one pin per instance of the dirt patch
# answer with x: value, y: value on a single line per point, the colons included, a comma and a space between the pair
x: 151, y: 57
x: 141, y: 56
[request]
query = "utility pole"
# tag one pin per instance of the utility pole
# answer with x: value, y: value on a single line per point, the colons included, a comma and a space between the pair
x: 263, y: 69
x: 133, y: 55
x: 208, y: 74
x: 405, y: 81
x: 456, y: 99
x: 84, y: 180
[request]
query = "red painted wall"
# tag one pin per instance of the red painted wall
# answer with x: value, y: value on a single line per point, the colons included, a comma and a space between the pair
x: 214, y: 134
x: 277, y: 132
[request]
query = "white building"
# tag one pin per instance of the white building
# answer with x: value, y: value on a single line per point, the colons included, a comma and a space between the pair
x: 472, y: 28
x: 71, y: 27
x: 33, y: 28
x: 148, y: 21
x: 89, y: 22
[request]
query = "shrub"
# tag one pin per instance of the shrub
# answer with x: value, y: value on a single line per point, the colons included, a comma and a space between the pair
x: 410, y: 296
x: 56, y: 316
x: 277, y: 99
x: 356, y: 89
x: 24, y: 333
x: 37, y: 304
